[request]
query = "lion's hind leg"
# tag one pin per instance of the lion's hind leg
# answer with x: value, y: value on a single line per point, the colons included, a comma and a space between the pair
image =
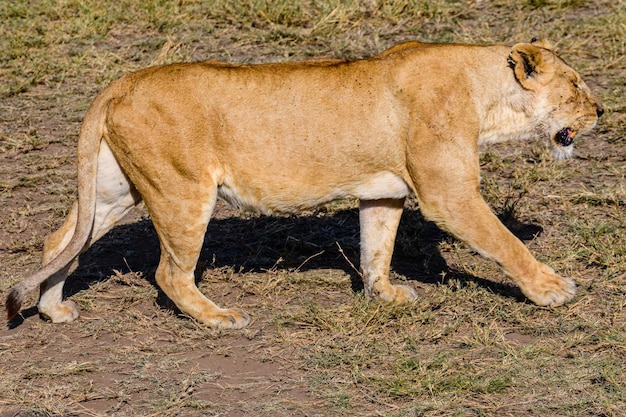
x: 51, y: 304
x: 115, y: 196
x: 181, y: 219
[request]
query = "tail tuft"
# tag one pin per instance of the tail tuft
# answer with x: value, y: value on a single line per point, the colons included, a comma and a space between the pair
x: 14, y: 302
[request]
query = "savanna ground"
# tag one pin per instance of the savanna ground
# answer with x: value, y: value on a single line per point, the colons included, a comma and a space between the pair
x: 471, y: 345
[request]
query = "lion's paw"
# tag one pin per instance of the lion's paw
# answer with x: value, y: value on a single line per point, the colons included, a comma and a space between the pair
x: 399, y: 294
x: 404, y: 294
x: 550, y: 289
x: 60, y: 313
x: 228, y: 319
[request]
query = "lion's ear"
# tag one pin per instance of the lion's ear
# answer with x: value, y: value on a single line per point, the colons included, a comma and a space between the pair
x: 542, y: 43
x: 533, y: 66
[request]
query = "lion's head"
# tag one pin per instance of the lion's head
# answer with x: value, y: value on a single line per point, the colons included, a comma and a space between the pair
x: 567, y: 105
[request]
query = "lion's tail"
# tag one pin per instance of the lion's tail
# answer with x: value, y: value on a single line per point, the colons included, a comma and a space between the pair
x: 91, y: 133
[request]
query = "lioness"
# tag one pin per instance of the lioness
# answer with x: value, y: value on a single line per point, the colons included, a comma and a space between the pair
x: 280, y: 138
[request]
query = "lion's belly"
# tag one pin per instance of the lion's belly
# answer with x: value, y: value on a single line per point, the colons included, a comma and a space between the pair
x: 314, y: 148
x: 278, y: 197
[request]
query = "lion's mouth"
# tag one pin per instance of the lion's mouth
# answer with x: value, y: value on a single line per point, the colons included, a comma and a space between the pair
x: 565, y: 136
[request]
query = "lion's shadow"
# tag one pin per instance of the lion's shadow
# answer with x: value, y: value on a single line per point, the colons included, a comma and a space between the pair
x: 321, y: 240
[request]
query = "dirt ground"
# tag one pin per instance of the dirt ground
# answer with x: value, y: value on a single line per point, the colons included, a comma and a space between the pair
x: 470, y: 346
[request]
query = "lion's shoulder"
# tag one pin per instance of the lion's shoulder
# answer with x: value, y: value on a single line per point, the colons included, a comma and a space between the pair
x: 402, y: 47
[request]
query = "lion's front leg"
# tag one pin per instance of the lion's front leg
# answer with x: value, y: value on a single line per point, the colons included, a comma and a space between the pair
x: 549, y: 289
x: 379, y: 221
x: 448, y: 194
x: 469, y: 218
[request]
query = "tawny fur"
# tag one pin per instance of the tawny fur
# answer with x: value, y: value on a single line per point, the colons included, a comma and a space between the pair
x: 280, y: 138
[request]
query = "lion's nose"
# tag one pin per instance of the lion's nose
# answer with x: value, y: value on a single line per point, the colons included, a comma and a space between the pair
x: 600, y: 111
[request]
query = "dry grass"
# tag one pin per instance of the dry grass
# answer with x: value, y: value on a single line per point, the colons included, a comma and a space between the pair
x: 470, y: 345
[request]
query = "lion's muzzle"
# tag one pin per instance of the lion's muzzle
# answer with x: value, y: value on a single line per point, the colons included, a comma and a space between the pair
x: 565, y: 136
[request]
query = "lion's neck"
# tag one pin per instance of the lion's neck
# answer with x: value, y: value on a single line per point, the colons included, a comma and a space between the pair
x: 506, y: 110
x: 507, y: 119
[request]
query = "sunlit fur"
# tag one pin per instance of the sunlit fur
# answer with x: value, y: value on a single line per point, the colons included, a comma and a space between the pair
x: 561, y: 153
x: 280, y: 138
